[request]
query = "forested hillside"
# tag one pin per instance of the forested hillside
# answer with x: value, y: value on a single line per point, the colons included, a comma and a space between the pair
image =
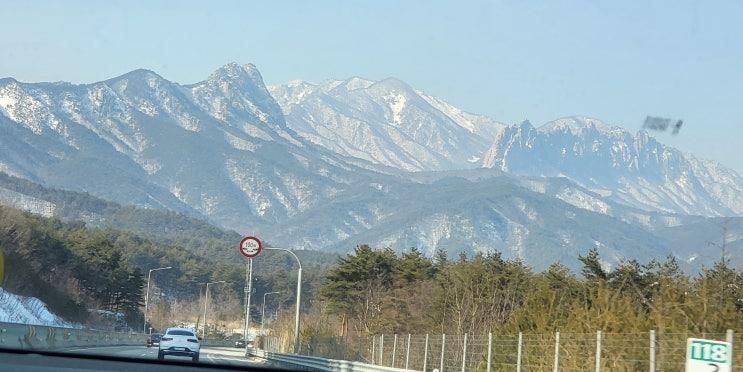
x: 73, y: 267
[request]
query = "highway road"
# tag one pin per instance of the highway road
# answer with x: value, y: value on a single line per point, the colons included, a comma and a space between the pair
x: 222, y: 356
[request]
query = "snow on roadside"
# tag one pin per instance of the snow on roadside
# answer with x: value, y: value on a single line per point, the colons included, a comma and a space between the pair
x: 28, y: 310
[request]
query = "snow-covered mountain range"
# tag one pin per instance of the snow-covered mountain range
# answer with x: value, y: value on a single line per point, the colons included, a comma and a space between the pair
x: 340, y: 163
x: 632, y: 169
x: 386, y: 122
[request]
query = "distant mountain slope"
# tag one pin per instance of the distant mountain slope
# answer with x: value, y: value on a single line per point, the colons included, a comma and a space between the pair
x: 385, y: 122
x: 219, y: 147
x: 70, y: 205
x: 635, y: 170
x: 389, y: 123
x: 538, y: 220
x: 468, y: 217
x: 706, y: 240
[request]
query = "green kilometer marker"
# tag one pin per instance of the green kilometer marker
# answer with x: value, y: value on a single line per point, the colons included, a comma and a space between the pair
x: 708, y: 355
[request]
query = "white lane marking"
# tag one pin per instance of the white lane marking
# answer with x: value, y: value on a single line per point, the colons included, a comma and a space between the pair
x: 210, y: 358
x: 233, y: 359
x: 99, y: 347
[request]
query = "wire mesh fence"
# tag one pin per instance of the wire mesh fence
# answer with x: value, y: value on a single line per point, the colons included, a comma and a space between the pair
x: 522, y: 352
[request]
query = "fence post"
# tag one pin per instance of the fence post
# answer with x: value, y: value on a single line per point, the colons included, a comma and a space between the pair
x: 652, y: 351
x: 556, y: 367
x: 394, y: 350
x: 518, y: 352
x: 729, y: 338
x: 407, y: 353
x: 464, y: 353
x: 374, y: 341
x: 425, y: 354
x: 490, y: 350
x: 443, y: 342
x: 598, y: 351
x: 381, y: 350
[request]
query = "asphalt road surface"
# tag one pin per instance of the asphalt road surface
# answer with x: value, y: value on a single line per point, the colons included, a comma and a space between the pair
x: 222, y: 356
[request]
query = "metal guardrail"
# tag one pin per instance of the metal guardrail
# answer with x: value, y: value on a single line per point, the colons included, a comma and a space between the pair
x: 36, y: 337
x: 311, y: 363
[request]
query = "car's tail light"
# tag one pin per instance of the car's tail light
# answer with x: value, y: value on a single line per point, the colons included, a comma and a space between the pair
x: 193, y: 340
x: 166, y: 339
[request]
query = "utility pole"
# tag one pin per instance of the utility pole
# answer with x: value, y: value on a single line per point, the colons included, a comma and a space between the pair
x: 299, y: 298
x: 147, y: 296
x: 248, y: 292
x: 263, y: 309
x: 206, y: 302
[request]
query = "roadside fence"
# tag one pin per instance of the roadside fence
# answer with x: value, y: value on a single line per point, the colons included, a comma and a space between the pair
x: 649, y: 351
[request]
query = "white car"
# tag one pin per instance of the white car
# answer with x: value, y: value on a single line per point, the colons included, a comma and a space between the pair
x: 179, y: 342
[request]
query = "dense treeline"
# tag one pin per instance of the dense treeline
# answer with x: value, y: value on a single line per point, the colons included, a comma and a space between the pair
x: 377, y: 291
x: 73, y: 267
x: 164, y: 226
x: 67, y: 266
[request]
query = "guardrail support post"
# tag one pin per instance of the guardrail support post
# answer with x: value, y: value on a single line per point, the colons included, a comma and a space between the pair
x: 464, y: 353
x: 556, y: 367
x: 598, y: 351
x: 394, y: 350
x: 518, y: 352
x: 652, y: 351
x: 443, y: 343
x: 425, y: 354
x: 490, y: 350
x: 407, y: 353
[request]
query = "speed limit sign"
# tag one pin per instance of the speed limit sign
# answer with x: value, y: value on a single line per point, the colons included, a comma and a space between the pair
x: 250, y: 247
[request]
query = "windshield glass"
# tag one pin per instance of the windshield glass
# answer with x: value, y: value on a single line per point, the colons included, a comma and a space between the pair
x: 465, y: 185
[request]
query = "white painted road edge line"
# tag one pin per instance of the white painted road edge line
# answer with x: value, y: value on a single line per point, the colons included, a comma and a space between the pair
x: 95, y: 347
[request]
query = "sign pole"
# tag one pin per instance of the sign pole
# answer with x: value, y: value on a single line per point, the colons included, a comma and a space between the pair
x: 248, y: 292
x: 250, y: 247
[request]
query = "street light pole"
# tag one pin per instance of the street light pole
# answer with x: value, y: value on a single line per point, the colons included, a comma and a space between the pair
x: 147, y: 296
x: 206, y: 302
x: 263, y: 308
x: 299, y: 297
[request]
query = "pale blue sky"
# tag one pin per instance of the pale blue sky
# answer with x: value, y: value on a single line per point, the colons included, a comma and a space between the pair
x: 614, y: 60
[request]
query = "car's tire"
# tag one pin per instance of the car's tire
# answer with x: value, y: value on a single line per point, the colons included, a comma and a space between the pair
x: 149, y: 346
x: 195, y: 358
x: 160, y: 355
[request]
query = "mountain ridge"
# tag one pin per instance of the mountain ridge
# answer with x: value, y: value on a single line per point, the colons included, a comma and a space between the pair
x: 358, y: 161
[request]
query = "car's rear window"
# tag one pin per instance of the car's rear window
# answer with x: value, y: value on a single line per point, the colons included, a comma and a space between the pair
x: 178, y: 332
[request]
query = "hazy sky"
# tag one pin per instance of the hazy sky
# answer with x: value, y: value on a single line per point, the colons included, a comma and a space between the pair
x: 539, y: 60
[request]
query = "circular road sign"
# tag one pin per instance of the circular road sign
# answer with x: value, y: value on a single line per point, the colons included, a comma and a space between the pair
x: 250, y: 247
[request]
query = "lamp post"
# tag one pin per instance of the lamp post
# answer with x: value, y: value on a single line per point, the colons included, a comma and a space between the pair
x: 147, y: 296
x: 299, y: 297
x: 206, y: 302
x: 263, y: 308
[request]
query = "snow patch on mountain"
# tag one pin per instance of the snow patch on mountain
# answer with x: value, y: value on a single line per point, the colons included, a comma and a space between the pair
x: 27, y: 203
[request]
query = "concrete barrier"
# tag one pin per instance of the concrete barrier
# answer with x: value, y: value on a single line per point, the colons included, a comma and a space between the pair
x: 36, y: 337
